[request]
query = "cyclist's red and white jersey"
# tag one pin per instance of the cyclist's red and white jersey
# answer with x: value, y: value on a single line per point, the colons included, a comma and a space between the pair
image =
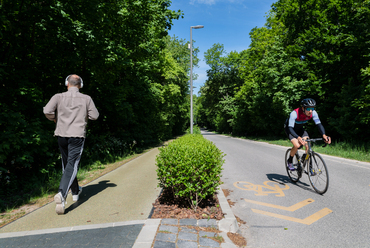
x: 298, y: 118
x: 296, y: 121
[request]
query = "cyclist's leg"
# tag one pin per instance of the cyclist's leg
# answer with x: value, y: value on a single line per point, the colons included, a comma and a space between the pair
x: 292, y: 153
x: 294, y: 142
x: 295, y: 147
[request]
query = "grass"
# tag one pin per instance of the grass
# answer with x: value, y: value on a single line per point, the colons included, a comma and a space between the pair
x: 351, y: 150
x: 216, y: 238
x: 355, y: 150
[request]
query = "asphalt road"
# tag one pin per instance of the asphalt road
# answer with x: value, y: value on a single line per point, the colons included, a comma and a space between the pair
x: 279, y: 213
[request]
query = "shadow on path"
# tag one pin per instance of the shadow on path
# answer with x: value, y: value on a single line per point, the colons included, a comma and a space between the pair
x: 283, y: 179
x: 89, y: 191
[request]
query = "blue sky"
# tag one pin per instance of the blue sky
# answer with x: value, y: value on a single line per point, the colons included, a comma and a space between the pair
x: 227, y: 22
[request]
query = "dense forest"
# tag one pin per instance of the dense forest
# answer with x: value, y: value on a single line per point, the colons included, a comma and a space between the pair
x: 135, y: 73
x: 315, y: 48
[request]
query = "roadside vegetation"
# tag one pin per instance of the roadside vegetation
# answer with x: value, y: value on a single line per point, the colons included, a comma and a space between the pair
x: 190, y: 168
x: 343, y: 149
x: 134, y: 71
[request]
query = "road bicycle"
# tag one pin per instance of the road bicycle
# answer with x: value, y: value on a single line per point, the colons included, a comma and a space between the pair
x: 312, y: 164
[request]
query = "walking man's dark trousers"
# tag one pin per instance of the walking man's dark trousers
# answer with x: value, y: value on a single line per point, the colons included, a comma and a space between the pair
x: 71, y: 150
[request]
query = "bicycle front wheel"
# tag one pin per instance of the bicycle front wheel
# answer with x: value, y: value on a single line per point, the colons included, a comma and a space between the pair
x: 318, y: 173
x: 293, y: 175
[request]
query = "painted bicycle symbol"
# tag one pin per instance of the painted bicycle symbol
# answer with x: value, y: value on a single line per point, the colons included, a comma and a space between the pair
x: 269, y: 187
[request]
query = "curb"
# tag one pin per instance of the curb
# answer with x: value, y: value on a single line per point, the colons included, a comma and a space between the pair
x: 69, y: 229
x: 147, y: 234
x: 229, y: 223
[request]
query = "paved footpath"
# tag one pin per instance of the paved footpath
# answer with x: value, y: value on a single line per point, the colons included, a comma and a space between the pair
x: 189, y: 233
x: 114, y: 211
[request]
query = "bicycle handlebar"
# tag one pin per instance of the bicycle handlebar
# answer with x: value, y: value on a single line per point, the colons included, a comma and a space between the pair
x: 317, y: 139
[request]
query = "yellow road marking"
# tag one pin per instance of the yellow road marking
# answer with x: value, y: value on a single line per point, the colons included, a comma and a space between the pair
x: 307, y: 221
x: 262, y: 189
x: 291, y: 208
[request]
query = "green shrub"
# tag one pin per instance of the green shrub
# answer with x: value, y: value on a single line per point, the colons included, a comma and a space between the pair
x: 191, y: 167
x: 196, y: 130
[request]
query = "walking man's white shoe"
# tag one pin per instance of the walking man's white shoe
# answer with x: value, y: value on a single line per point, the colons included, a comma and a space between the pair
x: 76, y: 197
x: 60, y: 203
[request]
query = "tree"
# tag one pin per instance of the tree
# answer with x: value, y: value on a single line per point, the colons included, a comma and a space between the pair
x: 332, y: 36
x: 217, y: 95
x: 118, y: 48
x: 312, y: 48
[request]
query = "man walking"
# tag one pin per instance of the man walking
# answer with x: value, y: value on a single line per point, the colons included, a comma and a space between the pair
x: 70, y: 111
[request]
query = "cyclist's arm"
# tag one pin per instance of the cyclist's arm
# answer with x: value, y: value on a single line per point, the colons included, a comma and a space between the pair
x: 291, y: 122
x: 293, y: 133
x: 316, y: 119
x: 321, y: 128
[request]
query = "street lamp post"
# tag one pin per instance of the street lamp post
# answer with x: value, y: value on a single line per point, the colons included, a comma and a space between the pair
x: 191, y: 75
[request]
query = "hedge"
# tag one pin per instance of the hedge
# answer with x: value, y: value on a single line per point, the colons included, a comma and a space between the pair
x: 191, y: 167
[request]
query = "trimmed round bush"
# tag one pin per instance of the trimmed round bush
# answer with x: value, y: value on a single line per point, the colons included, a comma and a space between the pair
x: 191, y: 167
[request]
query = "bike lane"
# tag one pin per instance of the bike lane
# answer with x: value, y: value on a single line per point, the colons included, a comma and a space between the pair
x: 278, y: 213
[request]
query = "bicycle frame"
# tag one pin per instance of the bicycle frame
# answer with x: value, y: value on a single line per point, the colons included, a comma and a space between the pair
x: 316, y: 168
x: 310, y: 151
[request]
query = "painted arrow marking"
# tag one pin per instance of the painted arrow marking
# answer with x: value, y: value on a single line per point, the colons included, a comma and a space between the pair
x: 291, y: 208
x: 308, y: 221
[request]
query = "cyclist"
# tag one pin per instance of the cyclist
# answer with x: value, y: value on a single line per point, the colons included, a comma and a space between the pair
x: 295, y: 130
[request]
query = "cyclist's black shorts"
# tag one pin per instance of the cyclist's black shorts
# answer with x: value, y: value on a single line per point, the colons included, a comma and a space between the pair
x: 299, y: 131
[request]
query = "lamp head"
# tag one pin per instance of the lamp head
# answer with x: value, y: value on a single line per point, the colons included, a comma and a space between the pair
x: 197, y: 27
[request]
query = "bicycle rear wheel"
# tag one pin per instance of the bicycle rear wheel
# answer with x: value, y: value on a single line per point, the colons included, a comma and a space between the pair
x: 293, y: 175
x: 319, y: 179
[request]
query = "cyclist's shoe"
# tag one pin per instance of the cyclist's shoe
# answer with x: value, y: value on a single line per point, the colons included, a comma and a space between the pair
x: 290, y: 166
x: 312, y: 172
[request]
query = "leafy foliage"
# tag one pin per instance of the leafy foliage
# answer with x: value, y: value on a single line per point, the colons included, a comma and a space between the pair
x: 196, y: 130
x: 317, y: 49
x: 217, y: 95
x: 134, y: 72
x: 190, y: 167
